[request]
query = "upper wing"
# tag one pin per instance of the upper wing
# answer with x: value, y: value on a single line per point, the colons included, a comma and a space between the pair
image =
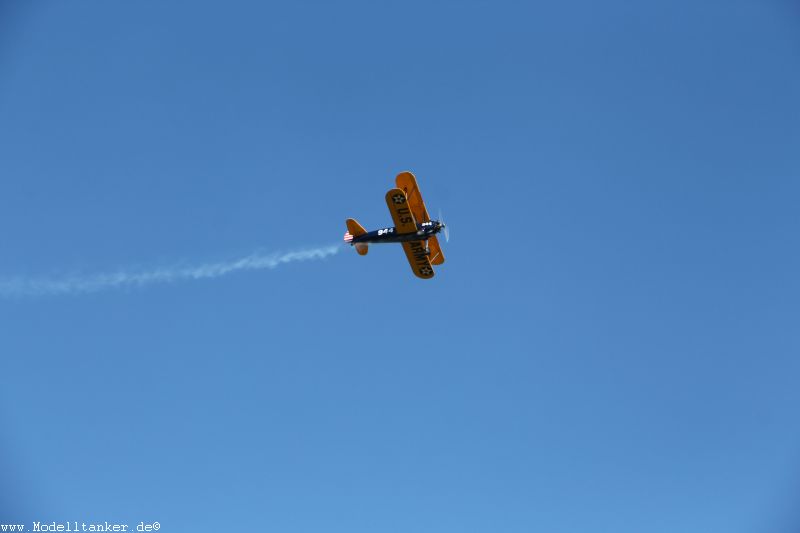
x: 418, y: 259
x: 437, y: 257
x: 404, y: 220
x: 407, y: 182
x: 401, y: 213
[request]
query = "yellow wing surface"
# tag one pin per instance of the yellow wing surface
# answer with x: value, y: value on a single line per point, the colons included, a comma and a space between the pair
x: 437, y: 257
x: 397, y: 202
x: 407, y: 182
x: 418, y: 259
x: 404, y: 221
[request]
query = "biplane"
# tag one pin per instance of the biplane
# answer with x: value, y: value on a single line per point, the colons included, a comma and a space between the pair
x: 413, y: 228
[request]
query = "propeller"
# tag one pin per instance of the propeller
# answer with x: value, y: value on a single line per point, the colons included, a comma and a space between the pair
x: 444, y: 227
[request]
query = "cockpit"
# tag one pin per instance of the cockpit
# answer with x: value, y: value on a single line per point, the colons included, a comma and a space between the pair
x: 430, y: 227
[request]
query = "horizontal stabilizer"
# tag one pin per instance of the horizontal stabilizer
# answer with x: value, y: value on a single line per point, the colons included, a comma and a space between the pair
x: 354, y: 228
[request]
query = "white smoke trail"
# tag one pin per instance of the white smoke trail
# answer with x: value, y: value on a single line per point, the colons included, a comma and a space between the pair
x: 138, y: 278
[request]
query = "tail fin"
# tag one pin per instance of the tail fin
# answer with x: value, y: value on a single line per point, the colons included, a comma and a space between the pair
x: 354, y: 229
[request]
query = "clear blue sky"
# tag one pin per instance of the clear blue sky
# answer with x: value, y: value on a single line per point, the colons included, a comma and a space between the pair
x: 611, y: 346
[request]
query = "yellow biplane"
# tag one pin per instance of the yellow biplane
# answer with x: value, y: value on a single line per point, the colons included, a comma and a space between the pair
x: 413, y: 228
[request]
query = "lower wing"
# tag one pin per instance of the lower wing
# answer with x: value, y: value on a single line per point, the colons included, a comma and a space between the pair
x: 418, y: 259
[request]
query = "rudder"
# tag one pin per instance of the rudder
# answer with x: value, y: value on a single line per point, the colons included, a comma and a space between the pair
x: 354, y: 229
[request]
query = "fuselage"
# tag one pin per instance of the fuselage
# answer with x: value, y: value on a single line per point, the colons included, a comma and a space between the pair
x: 424, y: 231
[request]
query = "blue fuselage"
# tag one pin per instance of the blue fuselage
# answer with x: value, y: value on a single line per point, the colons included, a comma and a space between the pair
x: 423, y: 233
